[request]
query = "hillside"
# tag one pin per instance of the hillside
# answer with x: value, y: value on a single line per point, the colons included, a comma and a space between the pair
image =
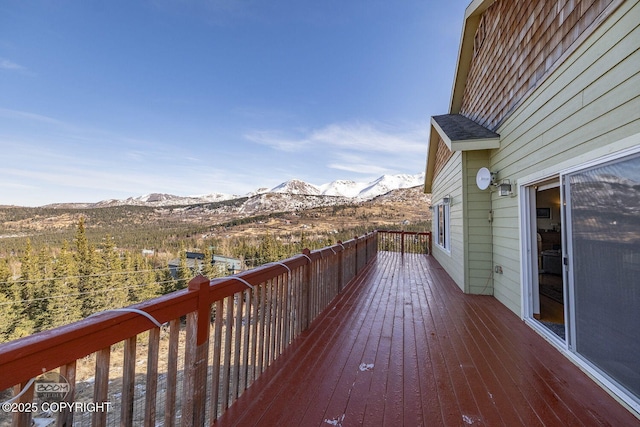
x: 357, y: 191
x: 62, y: 264
x: 166, y: 226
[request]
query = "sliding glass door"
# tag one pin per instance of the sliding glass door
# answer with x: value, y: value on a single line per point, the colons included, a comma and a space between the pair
x: 603, y: 239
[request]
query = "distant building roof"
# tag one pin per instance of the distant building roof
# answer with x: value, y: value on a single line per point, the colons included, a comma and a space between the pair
x: 195, y: 255
x: 195, y: 262
x: 232, y: 262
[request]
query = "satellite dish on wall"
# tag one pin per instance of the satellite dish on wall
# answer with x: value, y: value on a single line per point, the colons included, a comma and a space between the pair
x: 483, y: 178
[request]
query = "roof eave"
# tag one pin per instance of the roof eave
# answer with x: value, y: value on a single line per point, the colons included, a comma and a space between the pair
x: 431, y: 160
x: 475, y: 144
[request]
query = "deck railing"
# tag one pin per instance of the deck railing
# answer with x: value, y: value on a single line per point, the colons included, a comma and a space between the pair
x: 404, y: 242
x: 183, y: 358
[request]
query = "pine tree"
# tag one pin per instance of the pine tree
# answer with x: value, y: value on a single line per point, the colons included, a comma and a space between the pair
x: 90, y: 283
x: 29, y: 280
x: 111, y: 283
x: 6, y: 284
x: 209, y: 269
x: 41, y: 315
x: 65, y: 281
x: 82, y: 250
x: 84, y: 266
x: 166, y: 280
x: 184, y: 273
x: 9, y: 319
x: 140, y: 278
x: 8, y: 305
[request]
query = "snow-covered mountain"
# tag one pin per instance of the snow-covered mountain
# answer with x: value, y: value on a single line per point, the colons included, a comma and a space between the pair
x: 352, y: 189
x: 295, y: 186
x: 160, y: 199
x: 336, y: 192
x: 343, y: 188
x: 386, y: 183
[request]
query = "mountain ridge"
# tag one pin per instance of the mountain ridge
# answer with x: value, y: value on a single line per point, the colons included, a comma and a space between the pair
x: 341, y: 189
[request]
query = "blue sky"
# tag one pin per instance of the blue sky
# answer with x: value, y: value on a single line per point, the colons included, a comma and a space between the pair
x: 114, y: 99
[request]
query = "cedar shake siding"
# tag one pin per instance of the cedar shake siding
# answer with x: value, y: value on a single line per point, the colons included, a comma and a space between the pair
x: 517, y: 44
x: 442, y: 156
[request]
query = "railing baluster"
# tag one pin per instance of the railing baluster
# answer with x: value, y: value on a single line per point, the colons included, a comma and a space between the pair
x: 217, y: 351
x: 128, y: 382
x: 23, y: 418
x: 287, y: 309
x: 152, y: 378
x: 235, y: 384
x: 65, y: 416
x: 272, y: 329
x: 228, y: 339
x: 267, y: 325
x: 282, y: 317
x: 262, y: 330
x: 101, y: 386
x: 275, y: 349
x: 246, y: 332
x: 172, y: 373
x: 255, y: 324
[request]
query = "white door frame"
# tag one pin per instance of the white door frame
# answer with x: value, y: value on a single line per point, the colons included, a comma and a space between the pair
x: 529, y: 258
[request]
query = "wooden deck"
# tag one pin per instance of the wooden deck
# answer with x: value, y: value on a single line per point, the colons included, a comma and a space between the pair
x: 403, y: 346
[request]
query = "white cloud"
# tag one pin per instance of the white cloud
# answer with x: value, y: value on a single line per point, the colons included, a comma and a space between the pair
x: 357, y: 147
x: 368, y: 137
x: 25, y: 115
x: 362, y: 168
x: 5, y: 64
x: 357, y: 136
x: 276, y: 140
x: 361, y: 164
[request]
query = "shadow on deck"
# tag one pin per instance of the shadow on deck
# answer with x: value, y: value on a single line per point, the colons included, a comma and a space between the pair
x: 402, y: 345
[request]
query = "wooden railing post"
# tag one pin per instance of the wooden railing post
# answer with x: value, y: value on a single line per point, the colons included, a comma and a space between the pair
x: 356, y: 256
x: 340, y: 268
x: 306, y: 291
x: 196, y: 356
x: 366, y: 249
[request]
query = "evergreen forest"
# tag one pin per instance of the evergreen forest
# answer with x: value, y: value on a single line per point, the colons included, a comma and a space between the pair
x: 88, y: 261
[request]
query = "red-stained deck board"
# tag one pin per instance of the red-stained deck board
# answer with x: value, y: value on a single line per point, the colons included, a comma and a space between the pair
x: 402, y: 345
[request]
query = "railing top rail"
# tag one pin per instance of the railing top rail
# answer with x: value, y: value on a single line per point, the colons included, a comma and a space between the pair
x: 46, y: 350
x: 418, y: 233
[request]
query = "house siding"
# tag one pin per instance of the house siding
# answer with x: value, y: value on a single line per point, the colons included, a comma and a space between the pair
x: 477, y: 228
x: 516, y: 46
x: 590, y: 101
x: 449, y: 182
x: 443, y: 154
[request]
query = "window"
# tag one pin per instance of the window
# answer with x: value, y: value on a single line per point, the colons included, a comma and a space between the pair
x: 442, y: 225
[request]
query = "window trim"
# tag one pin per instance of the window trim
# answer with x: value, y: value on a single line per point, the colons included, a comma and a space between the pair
x: 442, y: 228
